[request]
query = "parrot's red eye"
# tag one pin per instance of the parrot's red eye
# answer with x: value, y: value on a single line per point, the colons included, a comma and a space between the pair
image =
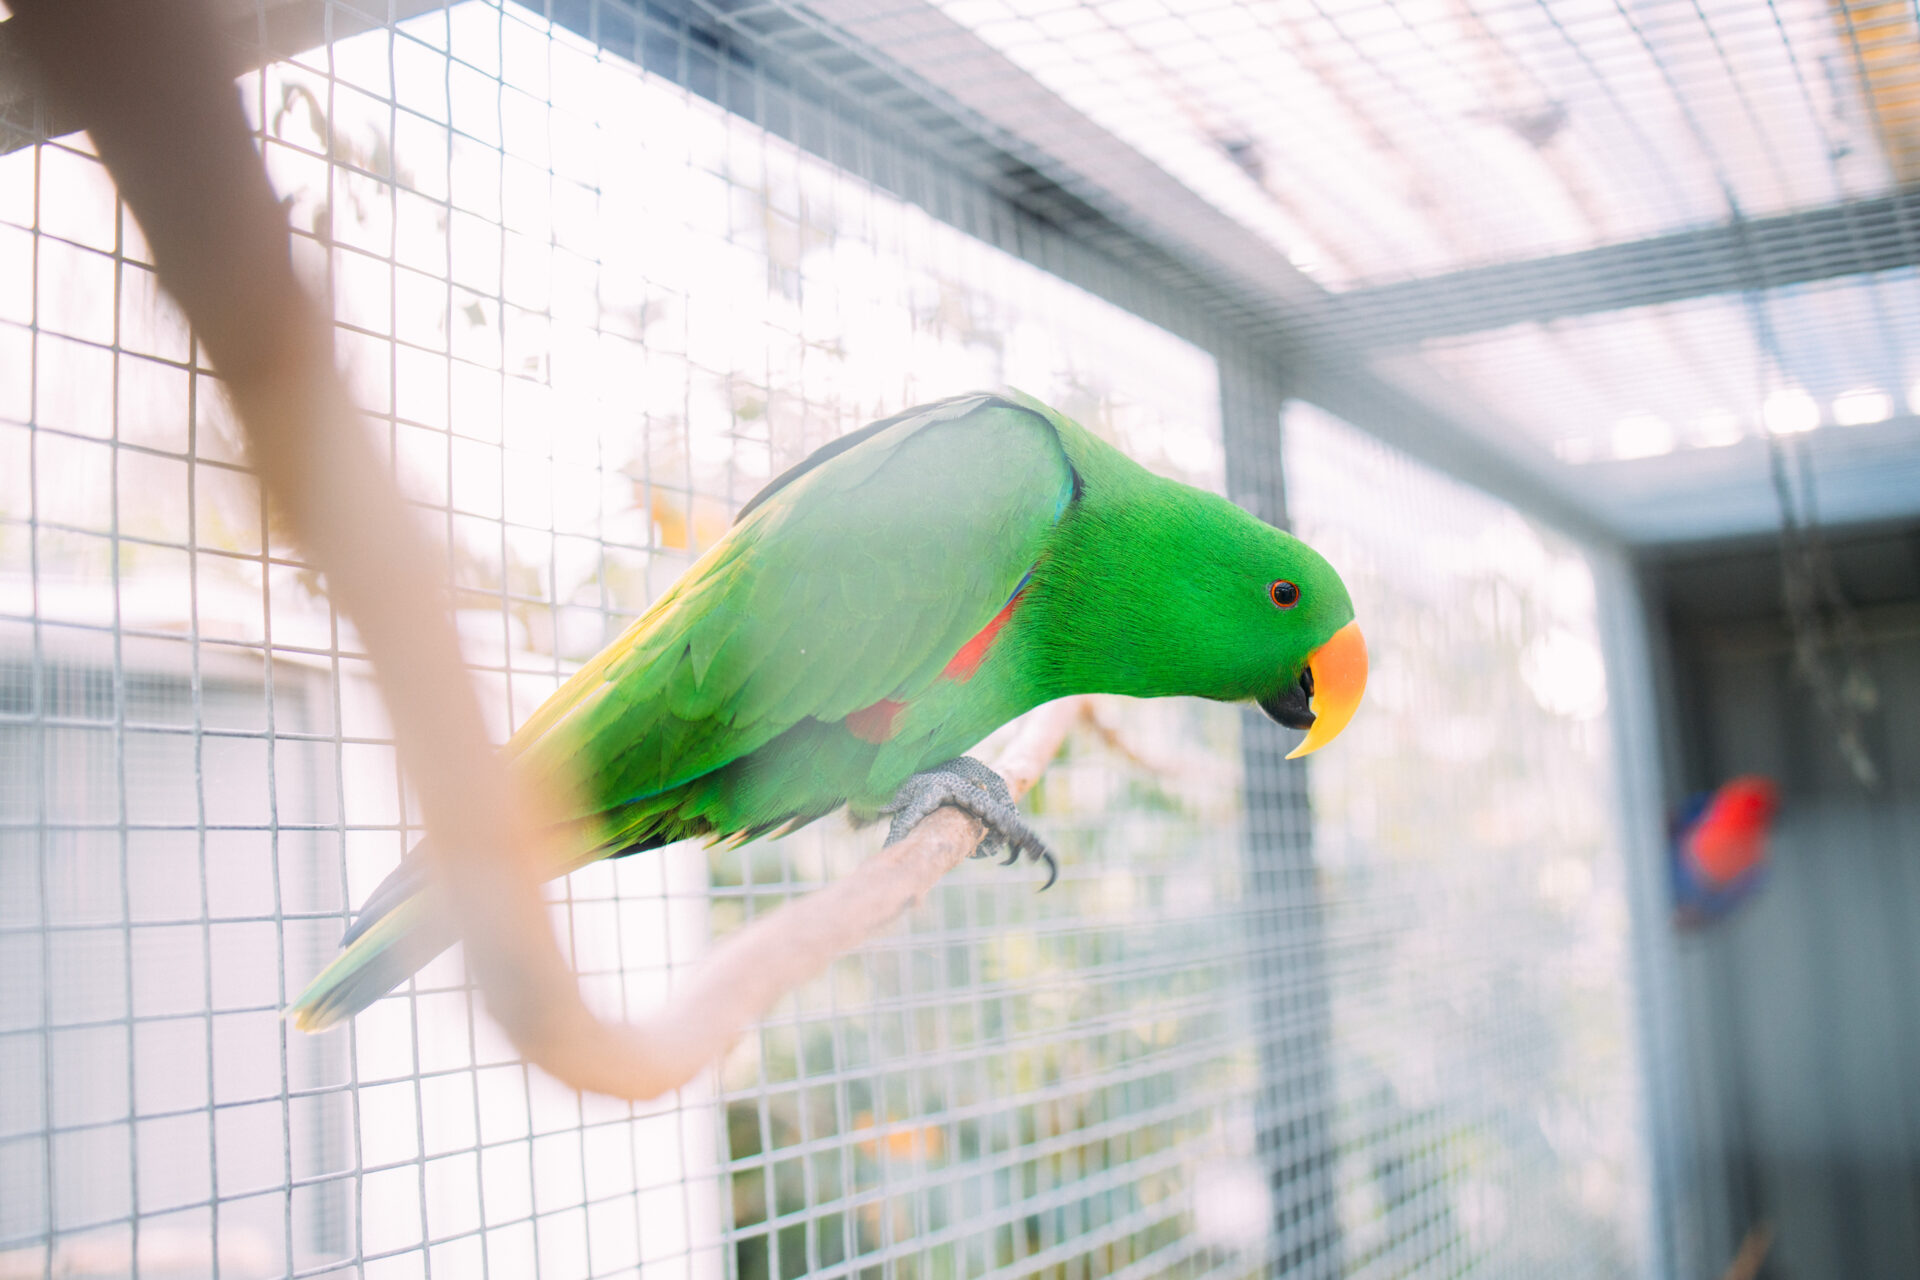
x: 1285, y: 594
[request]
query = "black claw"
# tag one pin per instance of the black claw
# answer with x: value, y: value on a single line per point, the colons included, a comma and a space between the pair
x: 1013, y: 855
x: 1053, y: 870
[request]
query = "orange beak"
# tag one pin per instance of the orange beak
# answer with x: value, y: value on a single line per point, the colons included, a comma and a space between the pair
x: 1338, y: 670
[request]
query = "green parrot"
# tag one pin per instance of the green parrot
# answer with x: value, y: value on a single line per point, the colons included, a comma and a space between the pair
x: 873, y: 613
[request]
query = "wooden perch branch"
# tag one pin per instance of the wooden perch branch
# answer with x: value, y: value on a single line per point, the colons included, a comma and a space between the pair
x: 149, y: 81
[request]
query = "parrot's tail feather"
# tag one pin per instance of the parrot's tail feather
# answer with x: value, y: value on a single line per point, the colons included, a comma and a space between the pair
x: 397, y: 930
x: 393, y: 934
x: 383, y: 954
x: 402, y: 883
x: 390, y: 938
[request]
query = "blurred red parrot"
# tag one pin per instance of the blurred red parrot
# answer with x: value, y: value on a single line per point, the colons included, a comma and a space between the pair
x: 1719, y: 848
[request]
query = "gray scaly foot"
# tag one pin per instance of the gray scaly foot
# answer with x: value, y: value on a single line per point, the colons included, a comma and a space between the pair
x: 968, y: 785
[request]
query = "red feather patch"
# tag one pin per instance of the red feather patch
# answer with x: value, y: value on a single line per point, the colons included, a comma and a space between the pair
x: 1730, y: 838
x: 875, y: 723
x: 964, y: 663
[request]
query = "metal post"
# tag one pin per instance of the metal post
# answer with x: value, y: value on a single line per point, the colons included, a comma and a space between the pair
x: 1292, y: 1023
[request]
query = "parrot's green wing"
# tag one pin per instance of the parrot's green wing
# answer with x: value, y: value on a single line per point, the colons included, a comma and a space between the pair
x: 854, y: 578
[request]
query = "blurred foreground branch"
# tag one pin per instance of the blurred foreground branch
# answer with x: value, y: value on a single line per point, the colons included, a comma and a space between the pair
x: 151, y: 84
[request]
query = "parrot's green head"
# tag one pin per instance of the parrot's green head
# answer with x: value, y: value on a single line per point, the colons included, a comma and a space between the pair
x: 1322, y: 659
x: 1274, y: 621
x: 1170, y: 590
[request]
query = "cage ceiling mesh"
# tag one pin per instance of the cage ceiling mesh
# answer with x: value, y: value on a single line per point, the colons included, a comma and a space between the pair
x: 1577, y: 184
x: 1268, y: 1022
x: 1374, y: 141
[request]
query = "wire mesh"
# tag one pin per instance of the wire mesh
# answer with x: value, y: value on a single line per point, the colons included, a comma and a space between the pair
x: 1374, y: 141
x: 1547, y: 205
x: 591, y: 311
x: 1483, y: 1045
x: 1668, y: 411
